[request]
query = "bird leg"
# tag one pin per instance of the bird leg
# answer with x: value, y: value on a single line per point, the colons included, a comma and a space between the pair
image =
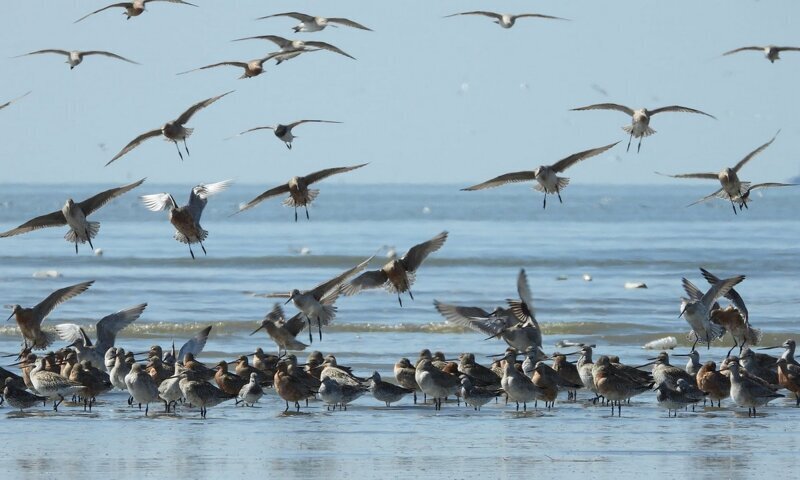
x: 734, y: 207
x: 185, y: 146
x: 319, y: 327
x: 410, y: 294
x: 629, y: 142
x: 190, y: 251
x: 399, y: 299
x: 544, y: 202
x: 179, y: 151
x: 306, y: 207
x: 288, y: 145
x: 89, y: 239
x: 76, y: 246
x: 203, y: 247
x: 310, y: 337
x: 697, y: 339
x: 640, y: 144
x: 735, y: 344
x: 558, y: 192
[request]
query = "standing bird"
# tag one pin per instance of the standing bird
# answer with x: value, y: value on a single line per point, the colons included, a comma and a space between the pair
x: 297, y: 188
x: 386, y: 392
x: 284, y: 132
x: 30, y: 320
x: 545, y: 175
x: 172, y: 130
x: 309, y: 23
x: 317, y: 303
x: 142, y: 387
x: 74, y: 214
x: 253, y: 68
x: 747, y: 392
x: 75, y: 57
x: 404, y: 373
x: 771, y: 52
x: 398, y: 275
x: 201, y: 393
x: 696, y: 310
x: 293, y: 48
x: 4, y: 105
x: 640, y: 125
x: 134, y: 8
x: 713, y: 382
x: 505, y: 20
x: 107, y: 329
x: 52, y: 385
x: 20, y: 398
x: 251, y: 392
x: 282, y: 331
x: 731, y: 187
x: 186, y: 219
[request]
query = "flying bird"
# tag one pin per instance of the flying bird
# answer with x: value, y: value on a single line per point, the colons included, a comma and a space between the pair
x: 253, y: 68
x: 172, y: 130
x: 75, y: 57
x: 546, y: 179
x: 505, y: 20
x: 4, y: 105
x: 293, y: 48
x: 186, y: 219
x: 283, y: 331
x: 398, y: 275
x: 74, y: 215
x: 771, y: 52
x: 30, y: 320
x: 309, y: 23
x: 133, y: 9
x: 297, y: 188
x: 696, y: 310
x: 640, y: 124
x: 284, y: 132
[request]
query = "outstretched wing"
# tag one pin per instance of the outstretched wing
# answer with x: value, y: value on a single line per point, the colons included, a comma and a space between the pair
x: 538, y: 15
x: 58, y: 297
x: 91, y: 204
x: 742, y: 49
x: 158, y: 201
x: 299, y: 122
x: 322, y: 174
x: 296, y: 324
x: 691, y: 290
x: 199, y: 196
x: 732, y: 294
x: 280, y: 189
x: 71, y: 333
x: 54, y: 219
x: 185, y: 116
x: 708, y: 197
x: 348, y: 23
x: 678, y: 108
x: 277, y: 40
x: 135, y: 143
x: 720, y: 289
x: 754, y: 153
x: 220, y: 64
x: 705, y: 176
x: 14, y: 100
x: 110, y: 325
x: 565, y: 163
x: 606, y: 106
x: 324, y: 288
x: 418, y: 253
x: 109, y: 54
x: 365, y: 281
x: 46, y: 50
x: 502, y: 180
x: 122, y: 4
x: 329, y: 47
x: 296, y: 15
x: 196, y: 344
x: 477, y: 12
x: 523, y: 308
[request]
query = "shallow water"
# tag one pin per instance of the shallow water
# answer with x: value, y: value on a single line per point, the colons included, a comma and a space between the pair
x: 615, y: 235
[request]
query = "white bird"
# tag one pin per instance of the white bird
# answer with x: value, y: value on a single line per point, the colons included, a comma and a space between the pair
x: 75, y: 57
x: 309, y: 23
x: 186, y: 219
x: 172, y: 130
x: 74, y: 215
x: 107, y: 329
x: 732, y: 188
x: 317, y: 303
x: 696, y: 310
x: 52, y: 385
x: 771, y: 52
x: 284, y: 132
x: 142, y: 387
x: 252, y: 392
x: 294, y: 48
x: 640, y: 119
x: 4, y: 105
x: 134, y: 8
x: 253, y: 68
x: 170, y: 390
x: 506, y: 20
x: 545, y: 175
x: 517, y: 386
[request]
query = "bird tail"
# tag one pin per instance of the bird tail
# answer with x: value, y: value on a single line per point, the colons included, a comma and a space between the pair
x: 74, y: 237
x: 184, y: 239
x: 647, y: 131
x: 753, y: 336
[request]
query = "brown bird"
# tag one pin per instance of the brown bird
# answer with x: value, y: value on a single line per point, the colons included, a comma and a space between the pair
x: 30, y: 320
x: 75, y: 216
x: 253, y: 68
x: 398, y: 275
x: 134, y: 8
x: 713, y: 382
x: 172, y: 130
x: 228, y: 382
x: 297, y: 188
x: 291, y: 388
x: 569, y: 372
x: 404, y: 374
x: 789, y: 378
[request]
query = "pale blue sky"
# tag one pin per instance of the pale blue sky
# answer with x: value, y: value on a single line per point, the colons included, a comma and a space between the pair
x: 456, y: 100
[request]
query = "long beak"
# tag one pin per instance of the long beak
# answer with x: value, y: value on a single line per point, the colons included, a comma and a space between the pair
x: 645, y: 365
x: 681, y: 354
x: 257, y: 329
x: 18, y: 363
x: 141, y: 353
x: 683, y: 310
x: 771, y: 348
x: 9, y: 317
x: 571, y: 353
x: 287, y: 301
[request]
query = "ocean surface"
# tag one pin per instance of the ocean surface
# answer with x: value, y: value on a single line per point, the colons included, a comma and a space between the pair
x: 612, y: 234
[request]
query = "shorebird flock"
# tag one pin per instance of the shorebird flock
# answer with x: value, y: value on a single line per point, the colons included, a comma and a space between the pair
x: 83, y: 369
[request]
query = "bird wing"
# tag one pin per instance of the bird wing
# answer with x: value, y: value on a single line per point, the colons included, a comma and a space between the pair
x: 296, y: 324
x: 418, y: 253
x: 322, y: 289
x: 69, y: 332
x: 277, y: 40
x: 276, y: 314
x: 185, y: 116
x: 328, y: 46
x: 538, y: 15
x: 706, y: 176
x: 502, y: 180
x: 475, y: 318
x: 58, y: 297
x: 770, y: 185
x: 110, y: 325
x: 296, y: 15
x: 788, y: 49
x: 607, y: 106
x: 565, y: 163
x: 678, y: 108
x: 54, y: 219
x: 720, y: 289
x: 322, y: 174
x: 172, y: 1
x: 691, y: 290
x: 752, y: 154
x: 220, y: 64
x: 523, y: 309
x: 122, y: 4
x: 742, y: 49
x: 91, y: 204
x: 158, y: 201
x: 47, y: 50
x: 196, y: 344
x: 135, y: 143
x: 349, y: 23
x: 12, y: 101
x: 109, y: 54
x: 707, y: 197
x: 732, y: 294
x: 299, y: 122
x: 367, y: 280
x: 199, y: 196
x: 477, y: 12
x: 280, y: 189
x: 272, y: 295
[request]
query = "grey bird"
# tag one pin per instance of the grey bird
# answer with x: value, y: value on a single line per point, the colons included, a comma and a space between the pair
x: 386, y: 392
x: 4, y: 105
x: 284, y: 132
x: 252, y: 68
x: 295, y: 47
x: 75, y: 57
x: 132, y: 9
x: 696, y: 310
x: 282, y: 331
x: 505, y: 20
x: 771, y: 52
x: 310, y: 23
